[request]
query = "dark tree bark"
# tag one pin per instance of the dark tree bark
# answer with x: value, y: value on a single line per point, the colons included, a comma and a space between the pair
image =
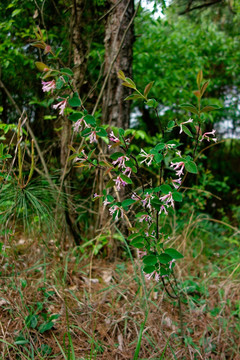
x: 80, y: 41
x: 116, y: 111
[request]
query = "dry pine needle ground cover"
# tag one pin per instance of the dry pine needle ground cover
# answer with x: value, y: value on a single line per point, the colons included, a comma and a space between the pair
x: 61, y: 305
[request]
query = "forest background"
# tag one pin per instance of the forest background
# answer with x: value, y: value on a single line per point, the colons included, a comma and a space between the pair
x: 64, y: 263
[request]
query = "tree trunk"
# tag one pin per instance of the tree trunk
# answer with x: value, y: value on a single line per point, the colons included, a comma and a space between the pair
x: 116, y: 111
x: 81, y: 40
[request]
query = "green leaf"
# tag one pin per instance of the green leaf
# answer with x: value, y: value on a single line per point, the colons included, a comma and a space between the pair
x: 158, y: 158
x: 45, y: 326
x: 31, y: 321
x: 110, y: 198
x: 152, y: 103
x: 191, y: 167
x: 137, y: 243
x: 156, y: 203
x: 66, y: 71
x: 59, y: 83
x: 110, y: 184
x: 74, y: 101
x: 128, y: 202
x: 186, y: 130
x: 174, y: 253
x: 190, y: 107
x: 116, y: 155
x: 76, y: 116
x: 165, y: 189
x: 177, y: 196
x: 150, y: 260
x: 160, y: 146
x: 101, y: 132
x: 164, y: 271
x: 126, y: 179
x: 209, y: 108
x: 90, y: 120
x: 149, y: 269
x: 121, y: 132
x: 41, y: 66
x: 86, y: 132
x: 164, y: 258
x: 171, y: 124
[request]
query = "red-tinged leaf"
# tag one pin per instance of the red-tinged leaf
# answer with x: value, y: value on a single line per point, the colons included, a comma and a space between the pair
x: 128, y: 85
x: 190, y: 107
x: 41, y: 66
x: 204, y: 87
x: 148, y: 88
x: 72, y: 148
x: 121, y: 75
x: 38, y: 44
x: 197, y: 93
x: 108, y: 171
x: 134, y: 97
x: 199, y: 78
x: 129, y: 81
x: 209, y: 108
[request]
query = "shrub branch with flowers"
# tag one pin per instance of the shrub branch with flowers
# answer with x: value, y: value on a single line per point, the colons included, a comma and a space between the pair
x: 150, y: 203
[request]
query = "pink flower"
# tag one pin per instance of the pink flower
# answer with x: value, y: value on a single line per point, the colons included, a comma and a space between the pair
x: 144, y: 217
x: 113, y: 138
x: 141, y: 254
x: 119, y: 182
x: 205, y: 135
x: 135, y: 196
x: 121, y: 161
x: 62, y: 104
x: 169, y: 146
x: 154, y: 274
x: 115, y: 208
x: 48, y: 86
x: 148, y: 157
x: 147, y: 201
x: 84, y: 158
x: 178, y: 165
x: 106, y: 202
x: 176, y: 182
x: 95, y: 196
x: 185, y: 122
x: 93, y: 137
x: 78, y: 125
x: 162, y: 208
x: 167, y: 199
x: 127, y: 171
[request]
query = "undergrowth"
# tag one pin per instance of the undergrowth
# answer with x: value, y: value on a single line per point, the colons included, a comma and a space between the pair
x: 59, y: 304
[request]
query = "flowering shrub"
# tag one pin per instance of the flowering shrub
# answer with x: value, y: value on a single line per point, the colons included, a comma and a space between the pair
x: 149, y: 202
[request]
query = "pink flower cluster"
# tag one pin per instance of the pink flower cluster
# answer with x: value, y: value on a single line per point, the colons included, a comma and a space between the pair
x: 48, y: 86
x: 61, y: 105
x: 148, y: 158
x: 115, y: 208
x: 119, y: 182
x: 206, y: 136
